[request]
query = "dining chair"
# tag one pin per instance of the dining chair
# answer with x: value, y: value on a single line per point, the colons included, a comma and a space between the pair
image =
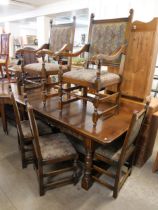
x: 57, y: 153
x: 61, y: 39
x: 25, y: 136
x: 117, y: 157
x: 108, y: 40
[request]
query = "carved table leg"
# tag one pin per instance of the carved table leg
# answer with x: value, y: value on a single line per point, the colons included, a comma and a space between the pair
x: 87, y: 179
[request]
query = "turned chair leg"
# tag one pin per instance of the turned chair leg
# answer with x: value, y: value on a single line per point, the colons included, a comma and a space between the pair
x: 60, y: 90
x: 23, y: 157
x: 95, y: 113
x: 116, y: 185
x: 40, y: 179
x: 84, y: 93
x: 75, y: 175
x: 118, y: 98
x: 7, y: 73
x: 44, y: 92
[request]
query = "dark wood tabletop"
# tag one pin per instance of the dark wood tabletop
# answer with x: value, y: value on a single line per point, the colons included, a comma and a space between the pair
x: 78, y: 117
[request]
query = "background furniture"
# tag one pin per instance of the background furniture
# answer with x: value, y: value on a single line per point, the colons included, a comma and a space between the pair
x: 4, y: 54
x: 119, y: 155
x: 4, y: 99
x: 155, y: 90
x: 155, y: 123
x: 148, y: 134
x: 51, y: 150
x: 107, y: 39
x: 140, y: 60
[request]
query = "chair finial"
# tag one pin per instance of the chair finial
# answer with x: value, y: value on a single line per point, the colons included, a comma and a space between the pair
x: 131, y: 12
x: 92, y: 16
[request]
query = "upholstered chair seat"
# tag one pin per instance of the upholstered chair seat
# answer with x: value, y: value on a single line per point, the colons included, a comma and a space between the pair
x: 88, y: 77
x: 56, y: 146
x: 51, y: 69
x: 113, y: 152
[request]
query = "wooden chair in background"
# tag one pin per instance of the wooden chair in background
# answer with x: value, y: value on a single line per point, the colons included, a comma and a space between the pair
x: 107, y: 47
x: 4, y: 54
x: 61, y: 39
x: 119, y: 154
x: 53, y: 150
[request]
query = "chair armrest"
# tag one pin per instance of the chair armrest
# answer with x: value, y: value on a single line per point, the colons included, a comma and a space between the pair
x: 85, y: 48
x: 44, y: 52
x: 23, y: 50
x: 114, y: 56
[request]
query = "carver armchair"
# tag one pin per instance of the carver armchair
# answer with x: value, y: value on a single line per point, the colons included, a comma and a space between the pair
x: 107, y: 48
x: 61, y: 39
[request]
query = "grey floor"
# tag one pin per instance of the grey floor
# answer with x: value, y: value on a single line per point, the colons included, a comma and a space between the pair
x: 19, y: 189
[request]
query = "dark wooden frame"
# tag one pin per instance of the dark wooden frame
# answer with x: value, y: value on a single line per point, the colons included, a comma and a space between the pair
x: 110, y: 61
x: 40, y: 162
x: 25, y: 143
x: 126, y: 157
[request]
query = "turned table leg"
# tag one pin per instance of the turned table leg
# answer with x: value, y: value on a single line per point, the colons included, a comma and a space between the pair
x: 87, y: 178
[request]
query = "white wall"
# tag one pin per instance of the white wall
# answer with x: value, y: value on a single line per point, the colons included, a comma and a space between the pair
x: 144, y: 10
x: 43, y: 29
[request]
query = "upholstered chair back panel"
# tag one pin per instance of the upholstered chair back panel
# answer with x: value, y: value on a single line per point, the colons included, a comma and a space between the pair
x: 107, y: 37
x: 135, y: 130
x: 61, y: 35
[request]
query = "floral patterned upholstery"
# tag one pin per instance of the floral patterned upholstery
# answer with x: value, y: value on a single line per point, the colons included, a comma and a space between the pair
x: 107, y: 37
x: 50, y: 68
x: 26, y: 129
x: 60, y: 36
x: 56, y: 146
x: 88, y: 77
x: 112, y: 152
